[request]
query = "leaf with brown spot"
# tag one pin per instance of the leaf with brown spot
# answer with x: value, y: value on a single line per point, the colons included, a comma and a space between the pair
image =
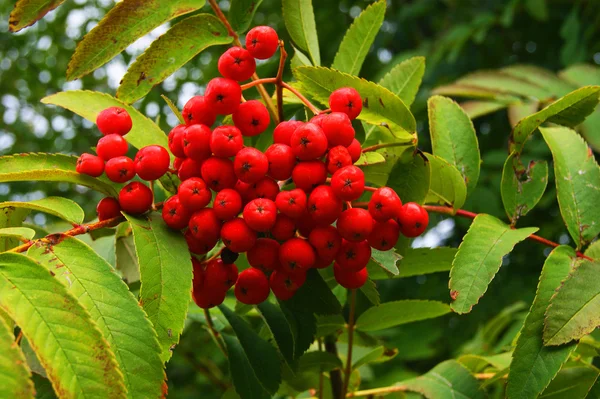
x: 28, y: 12
x: 14, y: 374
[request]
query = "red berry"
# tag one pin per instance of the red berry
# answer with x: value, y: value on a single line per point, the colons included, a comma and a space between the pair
x: 413, y: 219
x: 176, y: 141
x: 152, y: 162
x: 262, y: 42
x: 284, y: 228
x: 245, y: 190
x: 108, y: 208
x: 323, y: 205
x: 281, y: 161
x: 250, y: 165
x: 285, y: 285
x: 252, y: 287
x: 111, y: 146
x: 346, y: 100
x: 252, y: 118
x: 237, y: 63
x: 135, y: 198
x: 197, y: 246
x: 337, y: 158
x: 292, y: 203
x: 188, y: 169
x: 89, y: 164
x: 194, y: 194
x: 260, y: 214
x: 226, y: 141
x: 296, y: 255
x: 208, y: 297
x: 220, y: 274
x: 120, y: 169
x: 283, y: 132
x: 338, y: 129
x: 308, y: 175
x: 218, y: 173
x: 198, y: 110
x: 196, y: 142
x: 223, y: 95
x: 350, y: 279
x: 326, y: 240
x: 384, y: 235
x: 205, y: 226
x: 308, y: 142
x: 318, y: 119
x: 384, y: 204
x: 264, y: 255
x: 354, y: 150
x: 237, y: 235
x: 265, y: 188
x: 114, y: 120
x: 175, y: 215
x: 353, y: 256
x: 348, y: 183
x: 177, y: 163
x: 355, y: 224
x: 227, y: 204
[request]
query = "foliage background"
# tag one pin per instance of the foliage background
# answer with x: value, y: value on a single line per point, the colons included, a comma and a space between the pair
x: 456, y: 36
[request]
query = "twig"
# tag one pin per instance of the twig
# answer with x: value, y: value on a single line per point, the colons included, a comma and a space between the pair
x: 348, y: 371
x: 214, y: 332
x: 310, y: 106
x: 386, y: 145
x: 335, y: 375
x: 279, y: 79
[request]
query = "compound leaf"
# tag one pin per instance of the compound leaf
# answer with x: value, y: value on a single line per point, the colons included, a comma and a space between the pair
x: 299, y: 19
x: 392, y: 314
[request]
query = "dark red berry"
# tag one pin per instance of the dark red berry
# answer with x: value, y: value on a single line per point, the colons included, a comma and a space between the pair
x: 308, y: 175
x: 260, y: 214
x: 284, y: 228
x: 237, y: 235
x: 196, y: 142
x: 283, y: 132
x: 176, y: 141
x: 188, y: 169
x: 324, y: 207
x: 384, y: 204
x: 265, y: 188
x: 350, y: 279
x: 218, y: 173
x: 413, y: 219
x: 111, y: 146
x: 252, y: 118
x: 308, y: 142
x: 337, y: 158
x: 285, y: 285
x: 205, y: 226
x: 252, y: 287
x: 250, y: 165
x: 175, y: 215
x: 384, y: 235
x: 237, y: 63
x: 227, y: 204
x: 220, y: 274
x: 355, y: 224
x: 194, y: 194
x: 135, y: 198
x: 208, y: 297
x: 296, y: 255
x: 108, y: 208
x: 323, y: 263
x: 346, y: 100
x: 262, y: 42
x: 114, y: 120
x: 292, y: 203
x: 120, y: 169
x: 152, y: 162
x: 199, y: 246
x: 338, y: 129
x: 348, y: 183
x: 89, y: 164
x: 223, y: 95
x: 264, y: 255
x: 326, y: 240
x: 281, y: 161
x: 226, y: 141
x: 353, y: 256
x: 198, y: 110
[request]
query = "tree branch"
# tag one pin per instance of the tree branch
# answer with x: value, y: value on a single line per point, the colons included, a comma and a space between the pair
x: 335, y: 376
x: 348, y: 371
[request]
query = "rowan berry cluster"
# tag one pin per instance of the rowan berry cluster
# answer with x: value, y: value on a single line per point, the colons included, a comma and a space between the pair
x: 239, y: 196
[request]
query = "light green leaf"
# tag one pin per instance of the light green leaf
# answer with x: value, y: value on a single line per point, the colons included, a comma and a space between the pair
x: 319, y: 362
x: 329, y: 324
x: 369, y: 290
x: 173, y: 108
x: 447, y: 186
x: 480, y: 93
x: 475, y: 109
x: 14, y: 376
x: 571, y: 383
x: 18, y: 232
x: 112, y: 307
x: 541, y: 77
x: 28, y: 12
x: 279, y: 327
x: 299, y: 19
x: 241, y: 13
x: 377, y: 355
x: 505, y: 84
x: 61, y: 207
x: 245, y: 382
x: 359, y: 38
x: 370, y: 158
x: 405, y: 78
x: 577, y: 183
x: 521, y: 110
x: 534, y: 365
x: 386, y: 259
x: 121, y: 26
x: 392, y: 314
x: 538, y: 9
x: 479, y: 258
x: 166, y: 276
x: 581, y: 74
x: 299, y: 59
x: 593, y: 251
x: 78, y: 360
x: 88, y: 104
x: 453, y: 138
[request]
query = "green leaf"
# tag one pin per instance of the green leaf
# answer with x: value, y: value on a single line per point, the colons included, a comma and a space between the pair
x: 170, y: 52
x: 370, y: 158
x: 593, y: 251
x: 261, y: 355
x: 535, y: 365
x: 370, y: 357
x: 541, y: 77
x: 28, y: 12
x: 410, y: 180
x: 479, y: 257
x: 418, y: 261
x: 78, y: 360
x: 245, y: 382
x: 369, y: 290
x: 14, y: 375
x: 125, y: 257
x: 453, y: 138
x: 241, y: 13
x: 386, y: 259
x: 572, y: 383
x: 299, y: 19
x: 319, y: 362
x: 504, y: 84
x: 122, y: 25
x: 521, y: 110
x: 43, y: 388
x: 61, y: 207
x: 173, y: 108
x: 329, y: 324
x: 358, y: 39
x: 581, y: 74
x: 280, y: 328
x: 447, y: 186
x: 88, y: 104
x: 392, y: 314
x: 577, y: 178
x: 166, y: 276
x: 475, y: 109
x: 18, y: 232
x: 405, y: 78
x: 112, y: 307
x: 480, y: 93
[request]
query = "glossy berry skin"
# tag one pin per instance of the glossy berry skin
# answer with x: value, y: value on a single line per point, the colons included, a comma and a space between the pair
x: 198, y: 110
x: 308, y: 142
x: 223, y: 95
x: 226, y: 141
x: 324, y: 206
x: 348, y: 183
x: 338, y: 129
x: 207, y: 297
x: 346, y: 100
x: 177, y: 163
x: 350, y: 279
x: 250, y: 165
x: 135, y: 198
x: 176, y: 141
x: 175, y: 215
x: 384, y: 235
x: 264, y: 255
x: 355, y: 150
x: 120, y: 169
x: 265, y: 188
x: 252, y: 118
x: 220, y: 274
x: 355, y: 224
x: 284, y: 228
x: 237, y: 235
x: 252, y: 287
x: 384, y: 204
x: 326, y: 240
x: 188, y: 169
x: 413, y: 219
x: 89, y: 164
x: 194, y: 194
x: 296, y: 255
x: 237, y: 63
x: 114, y: 120
x: 108, y: 208
x: 260, y: 214
x: 205, y: 226
x: 292, y: 203
x: 337, y: 158
x: 308, y: 175
x: 281, y: 161
x: 318, y: 119
x: 227, y: 204
x: 196, y: 142
x: 196, y: 246
x: 218, y: 173
x: 353, y: 256
x: 111, y: 146
x: 152, y: 162
x: 245, y: 190
x: 283, y: 132
x: 262, y: 42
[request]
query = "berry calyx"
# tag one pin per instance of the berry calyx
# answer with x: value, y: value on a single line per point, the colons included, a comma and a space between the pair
x: 355, y: 224
x: 353, y: 256
x: 152, y: 162
x: 260, y: 214
x: 384, y: 204
x: 262, y: 42
x: 120, y: 169
x: 296, y: 255
x: 226, y: 141
x: 384, y: 235
x: 114, y: 120
x: 252, y: 118
x: 175, y: 215
x: 135, y: 198
x: 194, y: 194
x: 250, y: 165
x: 308, y: 142
x: 337, y: 158
x: 413, y: 219
x: 108, y: 208
x: 111, y: 146
x: 227, y: 204
x: 348, y: 183
x: 326, y: 240
x: 237, y: 63
x: 292, y: 203
x: 265, y: 188
x: 198, y: 110
x: 223, y: 95
x: 346, y: 100
x: 218, y: 173
x: 252, y: 287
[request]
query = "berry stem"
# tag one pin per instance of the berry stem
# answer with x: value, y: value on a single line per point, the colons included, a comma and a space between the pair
x: 258, y: 82
x: 308, y: 104
x: 279, y: 79
x: 371, y: 189
x: 385, y: 145
x: 215, y: 334
x: 348, y: 371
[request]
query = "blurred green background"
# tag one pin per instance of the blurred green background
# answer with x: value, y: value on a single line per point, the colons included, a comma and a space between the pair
x: 456, y: 37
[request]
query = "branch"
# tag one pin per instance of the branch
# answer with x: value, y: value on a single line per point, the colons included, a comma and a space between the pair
x: 279, y: 79
x: 308, y: 104
x: 215, y: 334
x: 335, y: 375
x: 348, y: 371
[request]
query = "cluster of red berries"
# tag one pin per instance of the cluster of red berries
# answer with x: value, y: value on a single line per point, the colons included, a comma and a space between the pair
x: 284, y: 233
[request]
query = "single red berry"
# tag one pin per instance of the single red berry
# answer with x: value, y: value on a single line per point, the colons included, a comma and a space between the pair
x: 237, y: 235
x: 262, y: 42
x: 227, y: 204
x: 318, y: 119
x: 218, y: 173
x: 226, y: 141
x: 176, y: 141
x: 308, y: 175
x: 308, y: 142
x: 252, y: 287
x: 413, y: 219
x: 152, y: 162
x: 326, y: 240
x: 292, y: 203
x: 265, y: 188
x: 135, y: 198
x: 355, y: 150
x: 205, y: 226
x: 283, y: 132
x: 175, y: 215
x: 355, y: 224
x: 338, y: 129
x: 384, y: 204
x: 296, y: 255
x: 232, y: 273
x: 245, y: 190
x: 208, y: 297
x: 337, y: 158
x: 198, y: 110
x: 384, y: 235
x: 354, y: 256
x: 108, y: 208
x: 89, y: 164
x: 348, y: 183
x: 223, y: 95
x: 350, y: 279
x: 120, y: 169
x: 252, y: 118
x: 114, y: 120
x: 284, y: 228
x: 196, y: 142
x: 281, y: 161
x: 346, y: 100
x: 111, y: 146
x: 189, y: 168
x: 220, y: 274
x: 196, y: 246
x: 260, y: 214
x: 285, y: 285
x: 324, y: 207
x: 237, y: 63
x: 177, y: 163
x: 250, y: 165
x: 264, y: 255
x: 194, y: 194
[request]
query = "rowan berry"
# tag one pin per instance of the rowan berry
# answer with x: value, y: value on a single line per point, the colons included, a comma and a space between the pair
x: 355, y: 224
x: 350, y: 279
x: 384, y: 235
x: 237, y: 63
x: 250, y: 165
x: 245, y: 190
x: 252, y: 287
x: 346, y: 100
x: 260, y: 214
x: 223, y: 95
x: 284, y: 228
x: 285, y: 285
x: 207, y: 297
x: 114, y: 120
x: 252, y: 118
x: 326, y: 240
x: 175, y: 215
x: 264, y: 255
x: 194, y: 194
x: 111, y: 146
x: 337, y: 158
x: 120, y: 169
x: 265, y: 188
x: 176, y: 141
x: 89, y: 164
x: 318, y: 119
x: 177, y: 163
x: 220, y: 274
x: 237, y: 235
x: 348, y: 183
x: 324, y: 207
x: 218, y: 173
x: 108, y: 208
x: 196, y: 246
x: 196, y: 142
x: 384, y: 204
x: 281, y: 161
x: 205, y: 226
x: 308, y: 175
x: 353, y: 256
x: 296, y: 255
x: 338, y: 129
x: 227, y: 204
x: 152, y: 162
x: 199, y: 110
x: 355, y: 150
x: 283, y: 132
x: 413, y: 219
x: 189, y: 168
x: 308, y: 142
x: 226, y: 141
x: 292, y: 203
x: 135, y: 198
x: 262, y: 42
